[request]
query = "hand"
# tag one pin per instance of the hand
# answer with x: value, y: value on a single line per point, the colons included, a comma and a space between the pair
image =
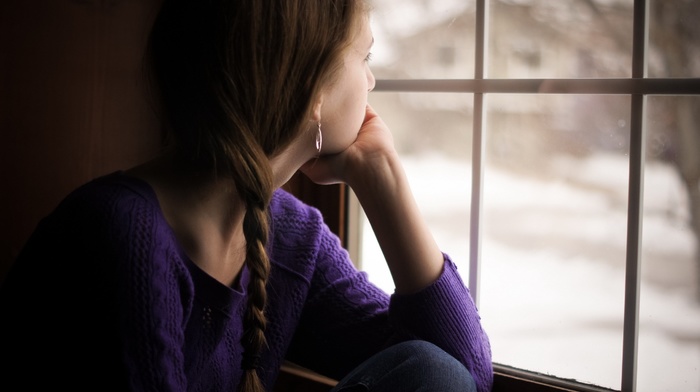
x: 372, y: 149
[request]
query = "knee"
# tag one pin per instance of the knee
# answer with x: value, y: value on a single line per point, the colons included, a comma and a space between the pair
x: 435, y: 367
x: 415, y: 366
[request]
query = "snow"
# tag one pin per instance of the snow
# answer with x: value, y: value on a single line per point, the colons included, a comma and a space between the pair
x: 552, y: 273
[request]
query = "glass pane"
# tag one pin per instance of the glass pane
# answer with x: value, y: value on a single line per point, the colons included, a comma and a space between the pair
x: 423, y: 39
x: 553, y: 255
x: 669, y: 332
x: 433, y: 135
x: 560, y: 39
x: 674, y: 38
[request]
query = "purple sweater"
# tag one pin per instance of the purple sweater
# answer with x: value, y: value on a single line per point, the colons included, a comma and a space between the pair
x: 103, y: 297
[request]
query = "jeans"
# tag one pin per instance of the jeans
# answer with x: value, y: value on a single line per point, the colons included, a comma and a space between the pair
x: 410, y: 366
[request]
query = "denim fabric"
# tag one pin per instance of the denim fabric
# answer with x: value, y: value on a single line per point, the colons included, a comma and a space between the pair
x: 411, y: 366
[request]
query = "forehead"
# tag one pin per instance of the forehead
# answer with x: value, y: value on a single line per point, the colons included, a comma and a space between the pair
x: 365, y: 26
x: 362, y: 38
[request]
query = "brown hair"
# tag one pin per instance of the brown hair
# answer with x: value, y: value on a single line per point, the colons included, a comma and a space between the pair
x: 236, y: 80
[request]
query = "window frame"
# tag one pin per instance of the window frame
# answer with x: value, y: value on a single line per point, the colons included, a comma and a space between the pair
x: 338, y: 204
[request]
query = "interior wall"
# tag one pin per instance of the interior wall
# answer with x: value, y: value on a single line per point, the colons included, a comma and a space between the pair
x: 72, y: 103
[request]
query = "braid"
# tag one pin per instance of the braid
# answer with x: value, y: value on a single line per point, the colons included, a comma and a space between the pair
x: 255, y: 229
x: 218, y: 67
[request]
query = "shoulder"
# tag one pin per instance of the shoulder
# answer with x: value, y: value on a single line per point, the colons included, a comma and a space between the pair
x: 111, y: 196
x: 110, y: 227
x: 298, y: 234
x: 109, y: 211
x: 117, y: 219
x: 291, y: 214
x: 112, y: 188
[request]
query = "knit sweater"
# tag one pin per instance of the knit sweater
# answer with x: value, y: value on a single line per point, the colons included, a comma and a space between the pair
x: 103, y: 297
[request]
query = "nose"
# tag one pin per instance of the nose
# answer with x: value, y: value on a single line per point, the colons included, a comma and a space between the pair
x: 371, y: 81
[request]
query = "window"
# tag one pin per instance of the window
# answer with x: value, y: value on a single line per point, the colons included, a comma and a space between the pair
x: 554, y: 147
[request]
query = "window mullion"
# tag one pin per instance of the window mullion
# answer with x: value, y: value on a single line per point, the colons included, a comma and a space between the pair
x: 635, y: 202
x: 478, y: 146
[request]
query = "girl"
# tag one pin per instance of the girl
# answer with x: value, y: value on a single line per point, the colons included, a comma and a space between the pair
x: 195, y: 271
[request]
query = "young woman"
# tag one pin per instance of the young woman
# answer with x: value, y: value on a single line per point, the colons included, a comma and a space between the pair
x: 196, y: 272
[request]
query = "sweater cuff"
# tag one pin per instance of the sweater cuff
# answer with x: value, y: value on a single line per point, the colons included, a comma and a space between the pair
x: 445, y: 314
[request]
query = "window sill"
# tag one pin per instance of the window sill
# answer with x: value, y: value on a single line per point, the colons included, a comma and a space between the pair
x: 507, y: 379
x: 294, y: 378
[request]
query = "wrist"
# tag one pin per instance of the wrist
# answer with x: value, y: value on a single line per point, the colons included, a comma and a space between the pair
x: 377, y: 177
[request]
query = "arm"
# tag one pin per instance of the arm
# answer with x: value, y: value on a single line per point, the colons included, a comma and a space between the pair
x: 371, y: 166
x: 430, y: 301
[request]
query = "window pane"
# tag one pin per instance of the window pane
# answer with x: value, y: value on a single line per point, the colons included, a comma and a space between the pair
x: 423, y: 39
x: 674, y: 37
x: 669, y: 333
x: 433, y: 135
x: 560, y: 39
x: 553, y: 251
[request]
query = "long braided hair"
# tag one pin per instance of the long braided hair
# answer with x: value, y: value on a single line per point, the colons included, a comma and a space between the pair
x: 235, y: 82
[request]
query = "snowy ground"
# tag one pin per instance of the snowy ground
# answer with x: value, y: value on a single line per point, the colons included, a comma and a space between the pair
x: 552, y: 279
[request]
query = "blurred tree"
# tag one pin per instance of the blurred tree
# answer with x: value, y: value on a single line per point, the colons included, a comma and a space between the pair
x: 676, y: 37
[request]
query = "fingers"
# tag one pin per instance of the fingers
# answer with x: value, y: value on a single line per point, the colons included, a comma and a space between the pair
x: 369, y: 113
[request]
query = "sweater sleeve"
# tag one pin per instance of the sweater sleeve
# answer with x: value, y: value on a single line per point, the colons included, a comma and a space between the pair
x: 346, y: 319
x: 445, y: 314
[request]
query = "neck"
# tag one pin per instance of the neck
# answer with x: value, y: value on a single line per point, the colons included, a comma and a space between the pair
x: 205, y: 213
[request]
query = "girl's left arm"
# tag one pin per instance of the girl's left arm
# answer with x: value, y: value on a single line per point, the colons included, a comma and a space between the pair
x: 430, y: 300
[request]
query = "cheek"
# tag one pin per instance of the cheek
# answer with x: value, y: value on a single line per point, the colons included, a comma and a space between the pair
x: 341, y: 131
x: 358, y: 104
x: 354, y: 115
x: 345, y: 117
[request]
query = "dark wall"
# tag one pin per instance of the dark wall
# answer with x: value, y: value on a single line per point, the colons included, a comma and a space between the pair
x: 72, y: 105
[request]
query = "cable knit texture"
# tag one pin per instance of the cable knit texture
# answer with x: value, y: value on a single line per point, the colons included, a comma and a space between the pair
x: 103, y: 297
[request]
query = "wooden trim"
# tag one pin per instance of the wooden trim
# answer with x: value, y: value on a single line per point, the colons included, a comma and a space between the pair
x: 331, y: 200
x: 294, y: 378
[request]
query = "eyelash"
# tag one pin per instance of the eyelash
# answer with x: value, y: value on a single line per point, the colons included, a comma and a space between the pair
x: 369, y: 57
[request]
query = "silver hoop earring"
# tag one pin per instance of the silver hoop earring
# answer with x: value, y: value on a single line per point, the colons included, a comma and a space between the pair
x: 319, y: 139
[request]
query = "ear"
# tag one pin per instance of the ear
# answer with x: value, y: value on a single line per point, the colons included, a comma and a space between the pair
x: 316, y: 108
